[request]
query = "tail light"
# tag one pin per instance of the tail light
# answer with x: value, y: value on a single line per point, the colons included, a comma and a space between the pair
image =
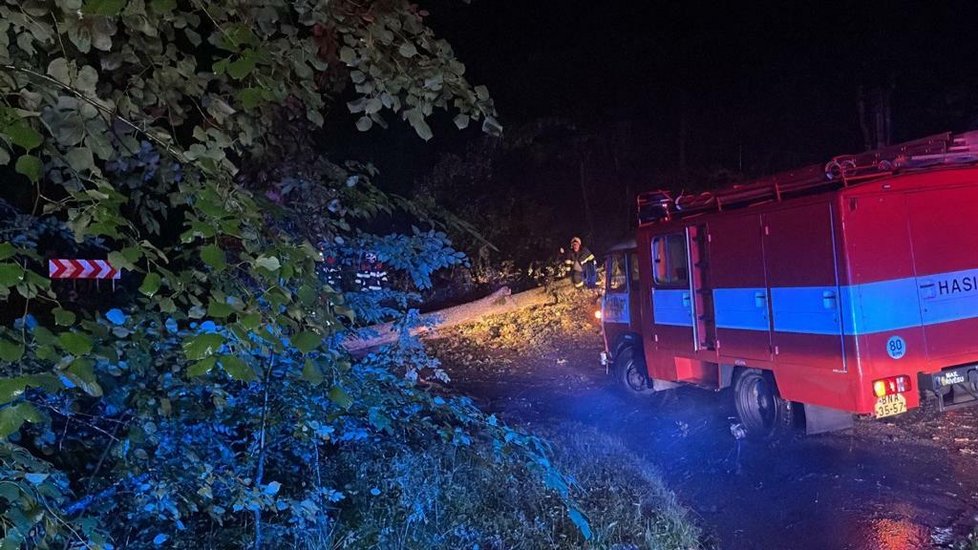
x: 891, y: 385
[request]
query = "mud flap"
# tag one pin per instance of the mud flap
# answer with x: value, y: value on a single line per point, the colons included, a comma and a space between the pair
x: 661, y: 385
x: 823, y: 419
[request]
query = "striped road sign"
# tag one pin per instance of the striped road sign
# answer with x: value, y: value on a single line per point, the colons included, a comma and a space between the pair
x: 81, y: 269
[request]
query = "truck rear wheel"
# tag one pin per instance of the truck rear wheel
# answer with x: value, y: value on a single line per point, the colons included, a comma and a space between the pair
x: 630, y: 373
x: 761, y: 409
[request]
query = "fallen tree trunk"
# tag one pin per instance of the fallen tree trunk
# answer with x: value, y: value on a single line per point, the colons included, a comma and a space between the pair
x: 501, y: 301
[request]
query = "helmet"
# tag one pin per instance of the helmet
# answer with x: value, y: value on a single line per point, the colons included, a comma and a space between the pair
x: 576, y: 240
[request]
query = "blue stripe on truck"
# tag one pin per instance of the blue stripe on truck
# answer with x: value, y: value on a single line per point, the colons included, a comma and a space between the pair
x: 741, y: 308
x: 672, y: 307
x: 882, y: 306
x: 810, y: 309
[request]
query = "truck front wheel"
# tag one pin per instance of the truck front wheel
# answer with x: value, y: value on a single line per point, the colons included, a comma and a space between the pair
x: 630, y: 372
x: 761, y: 409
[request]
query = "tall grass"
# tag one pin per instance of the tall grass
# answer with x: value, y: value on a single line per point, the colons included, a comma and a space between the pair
x: 445, y: 496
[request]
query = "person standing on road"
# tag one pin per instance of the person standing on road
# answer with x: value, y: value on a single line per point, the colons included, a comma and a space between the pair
x: 581, y: 262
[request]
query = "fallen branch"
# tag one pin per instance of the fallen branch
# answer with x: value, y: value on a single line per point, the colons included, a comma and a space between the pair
x: 501, y: 301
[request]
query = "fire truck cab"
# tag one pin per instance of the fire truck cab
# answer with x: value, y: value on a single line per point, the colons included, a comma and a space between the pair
x: 837, y: 289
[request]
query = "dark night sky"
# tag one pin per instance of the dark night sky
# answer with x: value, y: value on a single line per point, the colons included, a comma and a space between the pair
x: 765, y: 74
x: 767, y: 85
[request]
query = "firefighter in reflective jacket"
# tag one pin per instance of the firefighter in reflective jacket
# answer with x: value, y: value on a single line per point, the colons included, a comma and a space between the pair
x: 581, y: 262
x: 371, y: 275
x: 329, y: 270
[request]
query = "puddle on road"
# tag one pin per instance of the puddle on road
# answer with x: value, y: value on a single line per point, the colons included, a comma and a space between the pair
x: 890, y: 533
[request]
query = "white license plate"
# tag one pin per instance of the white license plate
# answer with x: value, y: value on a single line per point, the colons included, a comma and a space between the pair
x: 891, y: 405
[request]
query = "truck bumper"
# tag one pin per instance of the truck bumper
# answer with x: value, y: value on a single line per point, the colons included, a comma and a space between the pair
x: 955, y: 387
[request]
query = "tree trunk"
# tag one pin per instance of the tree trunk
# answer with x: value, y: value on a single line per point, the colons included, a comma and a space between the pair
x: 582, y: 164
x: 501, y: 301
x: 683, y: 132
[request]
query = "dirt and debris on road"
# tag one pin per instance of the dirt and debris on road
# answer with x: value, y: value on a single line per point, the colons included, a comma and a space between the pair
x: 901, y: 484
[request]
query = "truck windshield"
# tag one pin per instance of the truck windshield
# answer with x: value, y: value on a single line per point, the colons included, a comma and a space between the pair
x: 669, y: 260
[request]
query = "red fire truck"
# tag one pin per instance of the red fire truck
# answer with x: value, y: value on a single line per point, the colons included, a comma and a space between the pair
x: 816, y: 294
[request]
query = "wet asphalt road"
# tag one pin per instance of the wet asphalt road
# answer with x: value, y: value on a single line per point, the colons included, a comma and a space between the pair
x: 903, y: 484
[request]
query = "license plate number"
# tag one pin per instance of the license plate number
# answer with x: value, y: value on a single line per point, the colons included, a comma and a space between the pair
x: 891, y: 405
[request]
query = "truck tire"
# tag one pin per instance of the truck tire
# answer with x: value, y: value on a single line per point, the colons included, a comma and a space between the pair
x: 630, y: 373
x: 762, y: 411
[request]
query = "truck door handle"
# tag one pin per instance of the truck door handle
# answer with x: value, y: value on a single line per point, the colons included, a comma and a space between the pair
x: 760, y: 299
x: 686, y: 299
x: 829, y: 300
x: 927, y: 290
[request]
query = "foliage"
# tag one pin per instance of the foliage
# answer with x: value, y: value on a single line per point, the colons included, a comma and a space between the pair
x: 210, y: 405
x: 446, y: 496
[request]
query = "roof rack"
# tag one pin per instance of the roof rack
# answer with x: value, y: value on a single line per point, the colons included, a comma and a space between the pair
x: 841, y: 171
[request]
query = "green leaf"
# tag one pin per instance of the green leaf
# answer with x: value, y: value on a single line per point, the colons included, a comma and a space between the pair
x: 250, y: 97
x: 340, y: 397
x: 12, y: 388
x: 237, y: 369
x: 250, y: 321
x: 163, y: 6
x: 108, y: 8
x: 312, y: 373
x: 307, y: 341
x: 219, y: 310
x: 7, y: 250
x: 241, y: 67
x: 58, y: 69
x: 416, y: 118
x: 24, y: 135
x: 87, y: 80
x: 80, y: 159
x: 408, y: 49
x: 202, y: 345
x: 364, y: 123
x: 270, y: 263
x: 12, y: 418
x: 75, y: 343
x: 202, y: 367
x: 10, y: 274
x: 11, y: 351
x: 63, y: 317
x: 213, y: 256
x: 118, y: 260
x: 132, y: 254
x: 80, y: 372
x: 306, y: 294
x: 151, y: 284
x: 29, y: 166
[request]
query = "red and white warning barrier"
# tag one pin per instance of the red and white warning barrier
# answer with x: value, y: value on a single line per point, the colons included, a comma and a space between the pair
x: 81, y: 269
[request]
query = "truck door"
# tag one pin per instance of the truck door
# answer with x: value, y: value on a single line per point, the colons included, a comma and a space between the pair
x: 672, y: 324
x: 740, y: 289
x: 800, y: 256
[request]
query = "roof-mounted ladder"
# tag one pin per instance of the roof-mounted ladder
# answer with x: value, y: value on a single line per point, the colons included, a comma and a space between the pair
x: 841, y: 171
